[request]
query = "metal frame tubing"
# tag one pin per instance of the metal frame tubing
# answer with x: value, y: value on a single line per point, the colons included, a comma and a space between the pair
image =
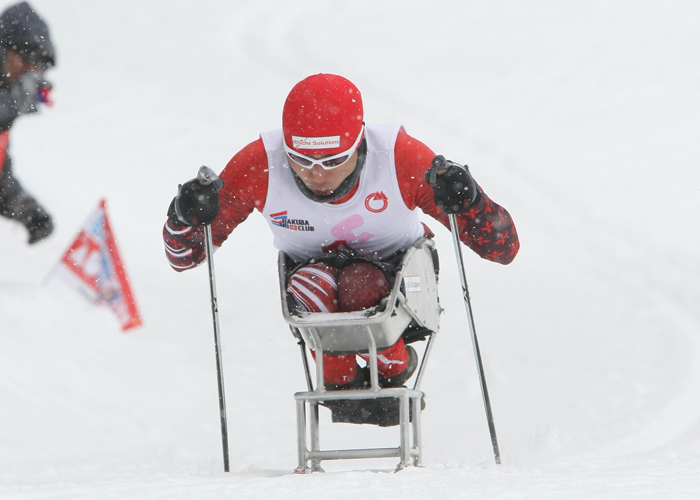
x: 408, y: 398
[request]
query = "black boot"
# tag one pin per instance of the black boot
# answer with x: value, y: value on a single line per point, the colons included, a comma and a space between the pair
x: 384, y: 412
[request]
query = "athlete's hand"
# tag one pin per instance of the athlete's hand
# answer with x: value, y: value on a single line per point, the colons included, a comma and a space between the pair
x: 197, y: 200
x: 454, y: 189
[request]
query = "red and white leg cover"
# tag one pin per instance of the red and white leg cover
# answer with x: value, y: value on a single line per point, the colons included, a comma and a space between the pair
x: 392, y: 360
x: 321, y: 288
x: 315, y: 288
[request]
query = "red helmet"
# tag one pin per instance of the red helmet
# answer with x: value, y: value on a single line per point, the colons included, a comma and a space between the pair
x: 322, y: 115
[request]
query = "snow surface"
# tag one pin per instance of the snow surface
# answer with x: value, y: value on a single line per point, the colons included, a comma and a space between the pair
x: 581, y: 118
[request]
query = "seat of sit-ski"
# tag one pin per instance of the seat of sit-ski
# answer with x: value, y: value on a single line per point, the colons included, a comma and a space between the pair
x: 412, y: 309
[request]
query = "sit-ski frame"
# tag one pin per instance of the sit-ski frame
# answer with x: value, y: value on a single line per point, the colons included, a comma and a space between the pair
x: 413, y: 299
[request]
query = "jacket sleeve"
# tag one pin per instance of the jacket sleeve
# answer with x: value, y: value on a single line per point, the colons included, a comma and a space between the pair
x: 245, y: 189
x: 486, y: 228
x: 8, y: 108
x: 184, y: 245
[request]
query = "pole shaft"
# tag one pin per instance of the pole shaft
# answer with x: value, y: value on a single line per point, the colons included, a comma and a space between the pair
x: 217, y: 345
x: 477, y: 354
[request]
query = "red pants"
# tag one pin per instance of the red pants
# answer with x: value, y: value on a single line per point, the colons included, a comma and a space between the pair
x: 322, y: 288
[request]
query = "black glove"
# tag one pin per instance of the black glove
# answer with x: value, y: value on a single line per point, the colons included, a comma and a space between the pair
x: 454, y: 189
x: 197, y: 200
x: 40, y: 226
x: 38, y: 223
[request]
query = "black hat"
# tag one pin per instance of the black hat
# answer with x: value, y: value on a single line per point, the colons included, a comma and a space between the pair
x: 22, y: 29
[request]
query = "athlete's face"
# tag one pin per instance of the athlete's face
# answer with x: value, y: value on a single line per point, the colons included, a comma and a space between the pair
x: 320, y: 181
x: 15, y: 66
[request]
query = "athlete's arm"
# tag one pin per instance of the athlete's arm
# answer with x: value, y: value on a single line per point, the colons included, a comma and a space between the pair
x: 486, y: 228
x: 245, y: 189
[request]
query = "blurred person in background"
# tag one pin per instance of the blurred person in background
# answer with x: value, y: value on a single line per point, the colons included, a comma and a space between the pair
x: 26, y: 52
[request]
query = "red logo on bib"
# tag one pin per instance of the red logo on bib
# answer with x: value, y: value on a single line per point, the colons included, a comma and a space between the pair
x: 376, y: 202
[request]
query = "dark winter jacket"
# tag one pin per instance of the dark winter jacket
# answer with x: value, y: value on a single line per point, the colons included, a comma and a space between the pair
x: 22, y: 29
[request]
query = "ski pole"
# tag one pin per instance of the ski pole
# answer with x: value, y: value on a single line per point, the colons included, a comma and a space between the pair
x: 217, y: 344
x: 207, y: 176
x: 475, y: 342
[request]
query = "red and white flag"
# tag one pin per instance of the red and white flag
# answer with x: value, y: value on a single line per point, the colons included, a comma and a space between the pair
x: 92, y: 265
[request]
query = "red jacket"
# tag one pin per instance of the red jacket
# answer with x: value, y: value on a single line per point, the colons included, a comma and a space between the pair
x: 486, y: 228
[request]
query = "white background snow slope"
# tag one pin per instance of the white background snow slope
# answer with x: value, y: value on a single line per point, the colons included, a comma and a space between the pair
x: 581, y: 118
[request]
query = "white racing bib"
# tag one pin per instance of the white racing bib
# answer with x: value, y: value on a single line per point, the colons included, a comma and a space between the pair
x: 375, y: 221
